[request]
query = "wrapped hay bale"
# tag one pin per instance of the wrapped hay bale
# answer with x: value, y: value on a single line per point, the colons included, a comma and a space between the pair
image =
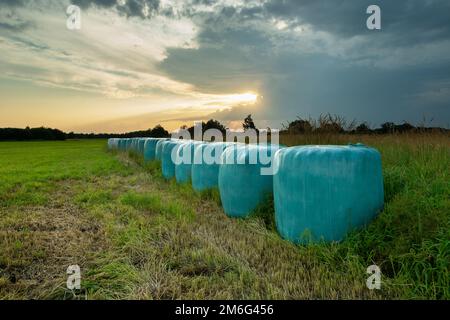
x: 184, y: 160
x: 150, y: 149
x: 243, y: 181
x: 158, y: 149
x: 128, y: 144
x: 205, y: 168
x: 168, y: 157
x: 323, y: 192
x: 141, y: 145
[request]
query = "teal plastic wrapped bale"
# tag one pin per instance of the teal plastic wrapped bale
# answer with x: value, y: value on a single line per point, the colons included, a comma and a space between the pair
x: 141, y: 145
x: 246, y: 178
x: 128, y: 144
x: 184, y: 160
x: 158, y: 149
x: 123, y: 147
x: 124, y: 144
x: 134, y: 145
x: 150, y: 149
x: 323, y: 192
x: 205, y: 168
x: 168, y: 158
x: 120, y: 145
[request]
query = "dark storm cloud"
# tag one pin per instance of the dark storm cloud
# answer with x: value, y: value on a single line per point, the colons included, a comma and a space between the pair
x: 377, y: 79
x: 411, y: 20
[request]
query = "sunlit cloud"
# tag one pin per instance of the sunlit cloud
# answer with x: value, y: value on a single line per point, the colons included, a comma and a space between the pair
x: 111, y: 55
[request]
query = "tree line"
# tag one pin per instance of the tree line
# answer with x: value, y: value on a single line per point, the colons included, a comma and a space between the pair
x: 323, y: 124
x: 43, y: 133
x: 328, y: 123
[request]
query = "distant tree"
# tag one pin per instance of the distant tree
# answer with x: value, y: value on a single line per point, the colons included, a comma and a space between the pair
x: 362, y: 128
x: 159, y: 132
x: 405, y: 127
x: 210, y: 124
x: 387, y: 127
x: 249, y: 124
x: 329, y: 123
x: 214, y: 124
x: 299, y: 126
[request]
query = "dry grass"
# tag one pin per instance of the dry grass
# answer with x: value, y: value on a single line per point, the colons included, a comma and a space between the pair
x: 37, y: 244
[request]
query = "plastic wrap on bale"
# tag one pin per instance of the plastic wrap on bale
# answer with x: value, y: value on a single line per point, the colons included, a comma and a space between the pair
x: 205, y: 168
x: 128, y: 144
x: 321, y: 193
x: 123, y: 144
x: 158, y: 149
x: 141, y: 144
x: 150, y: 149
x: 245, y: 178
x: 136, y: 145
x: 168, y: 157
x: 184, y: 160
x: 132, y: 144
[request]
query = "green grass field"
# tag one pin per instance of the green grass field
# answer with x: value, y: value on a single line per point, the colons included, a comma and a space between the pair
x: 137, y: 236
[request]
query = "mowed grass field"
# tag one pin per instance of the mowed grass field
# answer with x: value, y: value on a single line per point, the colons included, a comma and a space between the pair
x: 137, y: 236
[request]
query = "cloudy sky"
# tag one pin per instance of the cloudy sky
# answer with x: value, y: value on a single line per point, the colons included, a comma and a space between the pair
x: 136, y: 63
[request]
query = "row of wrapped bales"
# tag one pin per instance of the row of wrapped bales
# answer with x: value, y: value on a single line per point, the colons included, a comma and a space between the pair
x: 128, y: 144
x: 121, y: 145
x: 133, y: 145
x: 168, y: 157
x: 137, y: 145
x: 205, y: 168
x: 184, y: 160
x: 323, y: 192
x: 320, y: 192
x: 150, y: 148
x: 141, y: 145
x: 245, y: 177
x: 158, y: 149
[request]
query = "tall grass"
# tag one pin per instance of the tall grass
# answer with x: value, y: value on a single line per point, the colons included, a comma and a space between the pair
x: 410, y: 239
